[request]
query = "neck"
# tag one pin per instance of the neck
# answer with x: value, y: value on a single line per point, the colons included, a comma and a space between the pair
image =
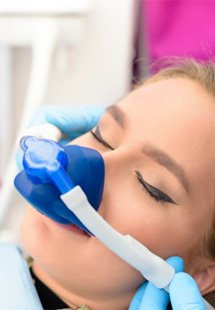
x: 73, y: 299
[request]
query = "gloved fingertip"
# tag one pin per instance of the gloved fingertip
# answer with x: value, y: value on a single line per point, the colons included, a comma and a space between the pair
x: 136, y: 300
x: 184, y: 285
x: 58, y: 119
x: 154, y: 298
x: 176, y: 262
x: 97, y: 110
x: 74, y: 119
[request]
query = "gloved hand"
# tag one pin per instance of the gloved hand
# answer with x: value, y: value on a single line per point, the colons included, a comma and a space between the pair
x: 183, y: 293
x: 73, y: 121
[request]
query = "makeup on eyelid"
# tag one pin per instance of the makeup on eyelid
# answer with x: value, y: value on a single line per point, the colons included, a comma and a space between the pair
x: 97, y: 136
x: 156, y: 194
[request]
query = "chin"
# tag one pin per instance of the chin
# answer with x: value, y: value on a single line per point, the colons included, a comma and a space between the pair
x: 50, y: 243
x: 33, y: 231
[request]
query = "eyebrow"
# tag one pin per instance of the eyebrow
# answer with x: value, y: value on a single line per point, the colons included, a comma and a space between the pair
x: 168, y: 162
x: 117, y: 114
x: 156, y: 154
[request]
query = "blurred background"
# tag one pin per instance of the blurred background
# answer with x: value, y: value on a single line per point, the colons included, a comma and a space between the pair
x: 81, y: 52
x: 69, y: 52
x: 61, y: 52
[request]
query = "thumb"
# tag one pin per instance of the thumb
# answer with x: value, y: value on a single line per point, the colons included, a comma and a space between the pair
x: 184, y: 293
x: 74, y: 119
x: 136, y: 300
x: 158, y: 299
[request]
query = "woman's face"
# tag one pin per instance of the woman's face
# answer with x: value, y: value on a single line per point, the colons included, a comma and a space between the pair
x: 158, y: 148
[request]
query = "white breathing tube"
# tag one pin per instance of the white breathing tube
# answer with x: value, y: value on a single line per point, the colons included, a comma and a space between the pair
x: 152, y: 267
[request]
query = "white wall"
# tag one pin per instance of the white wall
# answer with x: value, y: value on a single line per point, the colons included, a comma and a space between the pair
x: 98, y: 70
x: 94, y: 70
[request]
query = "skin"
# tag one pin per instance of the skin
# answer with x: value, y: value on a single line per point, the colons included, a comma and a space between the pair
x: 176, y: 116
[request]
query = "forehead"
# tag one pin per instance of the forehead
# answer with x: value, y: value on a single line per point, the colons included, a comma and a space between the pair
x: 173, y: 95
x: 176, y: 103
x: 176, y: 115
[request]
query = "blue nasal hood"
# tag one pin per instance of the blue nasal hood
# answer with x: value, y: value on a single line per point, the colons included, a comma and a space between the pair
x: 51, y: 173
x: 46, y: 163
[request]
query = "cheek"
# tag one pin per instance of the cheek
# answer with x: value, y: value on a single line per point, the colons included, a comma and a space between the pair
x: 32, y: 230
x: 38, y: 237
x: 75, y: 263
x: 161, y: 228
x: 131, y: 211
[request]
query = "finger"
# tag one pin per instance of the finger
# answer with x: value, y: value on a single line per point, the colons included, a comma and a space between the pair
x: 71, y: 136
x: 184, y: 293
x: 136, y: 300
x: 154, y: 298
x: 74, y: 119
x: 158, y: 299
x: 177, y: 263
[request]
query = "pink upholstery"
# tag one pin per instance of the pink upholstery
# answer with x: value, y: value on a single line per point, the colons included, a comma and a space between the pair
x: 179, y: 28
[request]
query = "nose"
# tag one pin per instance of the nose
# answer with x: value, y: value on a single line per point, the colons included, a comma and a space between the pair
x: 116, y: 164
x: 42, y: 160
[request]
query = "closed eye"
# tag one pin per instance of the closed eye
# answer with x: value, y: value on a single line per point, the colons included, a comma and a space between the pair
x: 154, y: 192
x: 97, y: 135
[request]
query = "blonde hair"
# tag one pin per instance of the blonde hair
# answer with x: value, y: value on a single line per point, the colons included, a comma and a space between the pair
x: 204, y: 74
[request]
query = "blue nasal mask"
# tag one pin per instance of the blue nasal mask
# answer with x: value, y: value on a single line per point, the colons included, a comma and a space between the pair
x: 43, y: 162
x: 66, y: 184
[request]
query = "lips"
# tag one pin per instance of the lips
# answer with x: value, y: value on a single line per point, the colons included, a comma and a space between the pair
x: 69, y: 227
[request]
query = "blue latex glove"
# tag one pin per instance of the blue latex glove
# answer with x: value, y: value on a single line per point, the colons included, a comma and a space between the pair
x: 73, y: 121
x: 183, y: 293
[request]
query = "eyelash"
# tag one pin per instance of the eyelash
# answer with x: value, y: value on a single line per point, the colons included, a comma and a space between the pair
x: 139, y: 177
x: 99, y: 138
x: 162, y: 197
